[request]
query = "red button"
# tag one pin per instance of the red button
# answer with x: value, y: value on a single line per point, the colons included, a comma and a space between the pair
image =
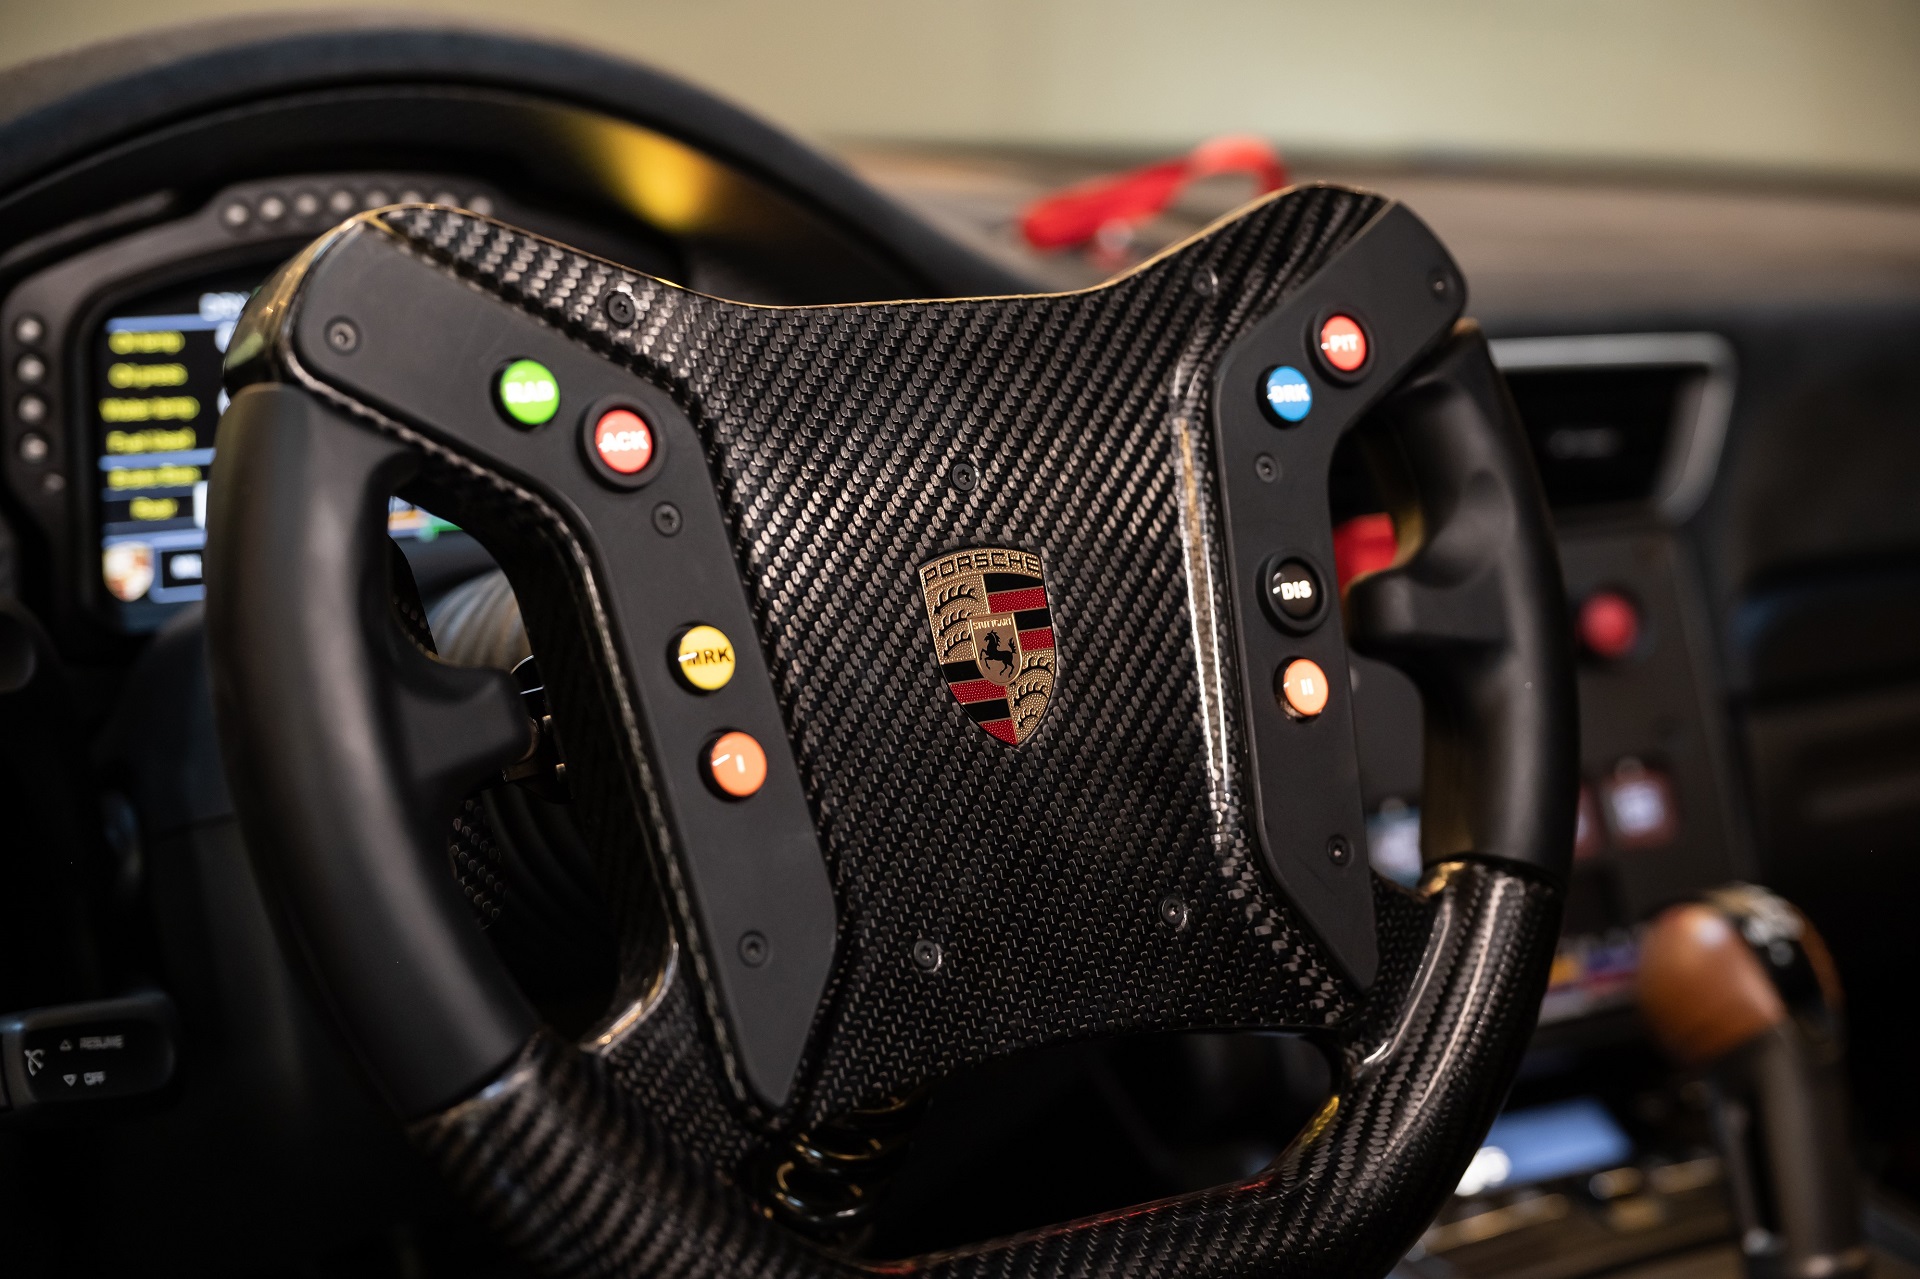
x: 1609, y: 625
x: 623, y: 441
x: 736, y: 765
x: 1343, y: 344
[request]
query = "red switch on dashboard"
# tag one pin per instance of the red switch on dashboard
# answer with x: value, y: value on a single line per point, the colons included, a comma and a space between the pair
x: 1609, y: 625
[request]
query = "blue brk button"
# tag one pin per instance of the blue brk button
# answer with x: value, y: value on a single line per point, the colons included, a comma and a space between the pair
x: 1288, y: 393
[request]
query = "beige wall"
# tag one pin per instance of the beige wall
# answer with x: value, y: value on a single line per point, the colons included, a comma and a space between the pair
x: 1828, y: 84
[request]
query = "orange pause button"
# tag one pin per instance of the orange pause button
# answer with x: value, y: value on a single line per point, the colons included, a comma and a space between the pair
x: 1303, y: 688
x: 736, y: 765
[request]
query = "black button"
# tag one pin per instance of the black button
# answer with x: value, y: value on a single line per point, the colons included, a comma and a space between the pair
x: 1293, y: 593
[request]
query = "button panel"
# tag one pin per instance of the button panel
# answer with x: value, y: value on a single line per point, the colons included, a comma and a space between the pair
x: 1281, y: 405
x: 662, y: 564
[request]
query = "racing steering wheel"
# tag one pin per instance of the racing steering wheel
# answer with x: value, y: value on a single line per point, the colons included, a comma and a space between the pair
x: 934, y: 681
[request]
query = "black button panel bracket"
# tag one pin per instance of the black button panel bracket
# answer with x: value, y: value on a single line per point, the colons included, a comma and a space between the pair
x: 750, y: 868
x: 1306, y: 771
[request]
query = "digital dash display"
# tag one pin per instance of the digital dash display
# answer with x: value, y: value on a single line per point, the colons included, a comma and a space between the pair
x: 156, y: 399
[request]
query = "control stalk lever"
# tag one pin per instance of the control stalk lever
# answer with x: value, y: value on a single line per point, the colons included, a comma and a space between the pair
x: 1740, y: 986
x: 80, y: 1058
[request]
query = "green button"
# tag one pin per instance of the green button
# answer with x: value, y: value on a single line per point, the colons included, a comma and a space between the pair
x: 528, y: 393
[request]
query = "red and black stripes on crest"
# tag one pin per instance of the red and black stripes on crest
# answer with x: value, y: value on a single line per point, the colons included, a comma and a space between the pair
x: 993, y: 636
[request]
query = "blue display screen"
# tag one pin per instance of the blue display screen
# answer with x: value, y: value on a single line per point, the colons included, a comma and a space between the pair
x: 1540, y: 1143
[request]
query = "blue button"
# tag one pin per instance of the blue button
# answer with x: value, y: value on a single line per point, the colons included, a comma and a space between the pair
x: 1288, y: 393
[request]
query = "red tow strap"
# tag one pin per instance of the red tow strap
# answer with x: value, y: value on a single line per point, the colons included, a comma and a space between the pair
x: 1109, y: 208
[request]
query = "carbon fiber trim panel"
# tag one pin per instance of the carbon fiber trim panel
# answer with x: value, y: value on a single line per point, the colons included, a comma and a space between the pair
x: 831, y: 433
x: 560, y: 1159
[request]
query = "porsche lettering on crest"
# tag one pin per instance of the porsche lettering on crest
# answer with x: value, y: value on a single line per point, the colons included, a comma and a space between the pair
x: 993, y: 636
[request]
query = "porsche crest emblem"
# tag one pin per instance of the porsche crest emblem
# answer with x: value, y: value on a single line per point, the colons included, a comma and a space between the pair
x: 993, y: 636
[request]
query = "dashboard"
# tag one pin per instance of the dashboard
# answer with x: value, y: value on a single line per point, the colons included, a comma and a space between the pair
x: 1726, y: 446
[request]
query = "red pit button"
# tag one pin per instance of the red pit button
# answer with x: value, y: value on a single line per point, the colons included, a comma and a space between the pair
x: 1343, y: 344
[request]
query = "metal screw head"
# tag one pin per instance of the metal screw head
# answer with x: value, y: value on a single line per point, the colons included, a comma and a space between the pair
x: 28, y: 328
x: 753, y: 950
x: 34, y: 447
x: 53, y: 483
x: 927, y: 955
x: 620, y: 309
x: 1173, y: 912
x: 1339, y: 851
x: 964, y: 476
x: 30, y: 368
x: 1205, y: 282
x: 1266, y: 469
x: 666, y: 519
x: 1439, y: 283
x: 31, y: 409
x: 342, y: 336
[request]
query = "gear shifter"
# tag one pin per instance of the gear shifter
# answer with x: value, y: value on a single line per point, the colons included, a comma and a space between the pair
x: 1739, y: 985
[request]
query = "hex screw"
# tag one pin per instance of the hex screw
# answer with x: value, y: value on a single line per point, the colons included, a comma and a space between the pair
x: 753, y: 950
x: 964, y: 476
x: 621, y: 309
x: 342, y: 336
x: 1339, y: 851
x: 1266, y: 468
x: 1173, y: 912
x: 666, y: 519
x: 1205, y: 282
x: 927, y: 955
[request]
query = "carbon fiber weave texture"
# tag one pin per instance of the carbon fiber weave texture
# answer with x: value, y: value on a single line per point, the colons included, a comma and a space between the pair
x: 831, y: 432
x: 578, y: 1177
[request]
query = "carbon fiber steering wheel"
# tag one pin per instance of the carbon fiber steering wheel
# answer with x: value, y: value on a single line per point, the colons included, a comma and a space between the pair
x: 935, y: 681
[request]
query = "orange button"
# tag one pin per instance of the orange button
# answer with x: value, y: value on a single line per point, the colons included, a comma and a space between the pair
x: 623, y: 441
x: 1343, y: 344
x: 1304, y: 688
x: 737, y: 765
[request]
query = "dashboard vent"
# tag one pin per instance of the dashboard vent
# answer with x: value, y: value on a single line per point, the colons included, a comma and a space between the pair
x: 1623, y: 419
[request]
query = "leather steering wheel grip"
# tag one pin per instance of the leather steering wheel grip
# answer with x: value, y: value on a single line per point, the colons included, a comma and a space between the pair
x: 578, y: 1179
x: 347, y: 745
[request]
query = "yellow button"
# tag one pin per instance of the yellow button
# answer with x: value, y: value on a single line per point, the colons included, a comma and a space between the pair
x: 737, y: 765
x: 1303, y: 687
x: 704, y: 658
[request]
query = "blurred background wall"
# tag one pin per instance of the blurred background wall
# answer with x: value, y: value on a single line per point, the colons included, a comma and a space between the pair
x: 1809, y: 85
